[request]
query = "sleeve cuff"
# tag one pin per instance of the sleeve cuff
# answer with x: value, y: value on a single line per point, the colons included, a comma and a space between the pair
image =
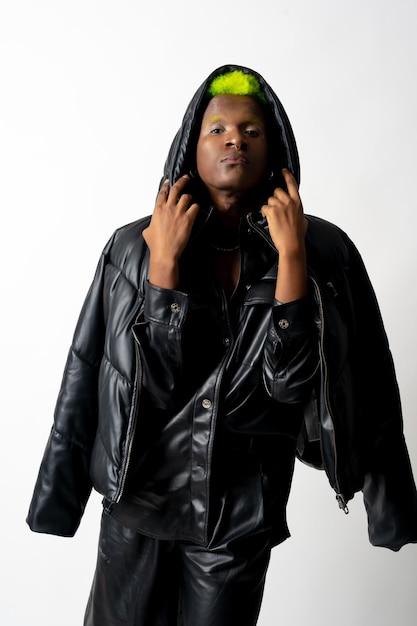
x: 293, y: 316
x: 165, y: 306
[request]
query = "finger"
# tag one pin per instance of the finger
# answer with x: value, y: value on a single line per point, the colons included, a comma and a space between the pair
x: 172, y: 194
x: 185, y: 201
x: 182, y: 200
x: 278, y: 198
x: 192, y: 211
x: 178, y: 186
x: 279, y: 195
x: 289, y: 177
x: 291, y: 183
x: 164, y: 190
x: 265, y: 209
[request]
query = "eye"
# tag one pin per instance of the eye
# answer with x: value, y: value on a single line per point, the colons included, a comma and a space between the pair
x: 252, y: 132
x: 216, y: 131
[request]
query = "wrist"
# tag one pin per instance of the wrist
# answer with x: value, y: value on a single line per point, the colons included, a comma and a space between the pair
x: 163, y: 272
x: 293, y: 256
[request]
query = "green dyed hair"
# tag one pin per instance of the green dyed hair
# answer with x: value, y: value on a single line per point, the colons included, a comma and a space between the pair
x: 236, y: 83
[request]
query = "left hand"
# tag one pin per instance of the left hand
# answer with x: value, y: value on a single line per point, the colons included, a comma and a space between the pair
x: 285, y: 217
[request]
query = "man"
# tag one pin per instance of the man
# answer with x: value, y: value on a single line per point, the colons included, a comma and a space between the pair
x: 219, y: 337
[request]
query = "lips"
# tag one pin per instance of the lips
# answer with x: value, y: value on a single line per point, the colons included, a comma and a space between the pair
x: 235, y: 159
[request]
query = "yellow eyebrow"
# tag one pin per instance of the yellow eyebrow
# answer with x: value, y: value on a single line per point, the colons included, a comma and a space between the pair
x: 255, y: 120
x: 250, y: 120
x: 211, y: 120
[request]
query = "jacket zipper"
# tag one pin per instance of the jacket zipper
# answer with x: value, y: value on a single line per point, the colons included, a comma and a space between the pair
x: 134, y: 412
x: 339, y: 496
x: 260, y: 231
x: 135, y: 404
x: 133, y: 417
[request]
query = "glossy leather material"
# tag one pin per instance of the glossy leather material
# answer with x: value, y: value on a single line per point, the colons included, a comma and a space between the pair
x: 140, y: 581
x: 261, y: 359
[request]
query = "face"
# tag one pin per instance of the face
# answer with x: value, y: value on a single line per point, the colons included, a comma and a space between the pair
x: 232, y: 150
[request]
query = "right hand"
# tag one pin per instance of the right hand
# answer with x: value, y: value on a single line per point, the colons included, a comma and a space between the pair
x: 169, y: 231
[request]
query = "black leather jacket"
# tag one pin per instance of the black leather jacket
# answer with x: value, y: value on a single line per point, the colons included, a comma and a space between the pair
x: 323, y: 361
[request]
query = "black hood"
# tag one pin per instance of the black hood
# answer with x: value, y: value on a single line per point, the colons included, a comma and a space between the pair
x: 282, y: 147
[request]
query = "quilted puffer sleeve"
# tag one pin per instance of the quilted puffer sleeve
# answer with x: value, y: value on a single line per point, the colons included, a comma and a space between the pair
x: 389, y: 488
x: 63, y: 484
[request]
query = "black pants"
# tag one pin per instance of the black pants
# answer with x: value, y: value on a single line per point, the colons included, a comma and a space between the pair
x: 141, y: 581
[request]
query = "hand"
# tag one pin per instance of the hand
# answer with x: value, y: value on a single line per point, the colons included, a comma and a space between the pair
x: 285, y: 217
x: 287, y: 227
x: 169, y: 232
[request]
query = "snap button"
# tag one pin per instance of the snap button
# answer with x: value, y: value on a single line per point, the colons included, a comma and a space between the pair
x: 283, y: 323
x: 175, y: 307
x: 206, y: 403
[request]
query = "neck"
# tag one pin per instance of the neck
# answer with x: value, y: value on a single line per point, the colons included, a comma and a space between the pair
x: 229, y: 210
x: 224, y: 231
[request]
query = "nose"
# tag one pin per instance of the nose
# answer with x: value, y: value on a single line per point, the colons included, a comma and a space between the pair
x: 237, y: 141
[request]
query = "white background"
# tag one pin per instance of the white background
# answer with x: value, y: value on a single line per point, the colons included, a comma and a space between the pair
x: 91, y: 94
